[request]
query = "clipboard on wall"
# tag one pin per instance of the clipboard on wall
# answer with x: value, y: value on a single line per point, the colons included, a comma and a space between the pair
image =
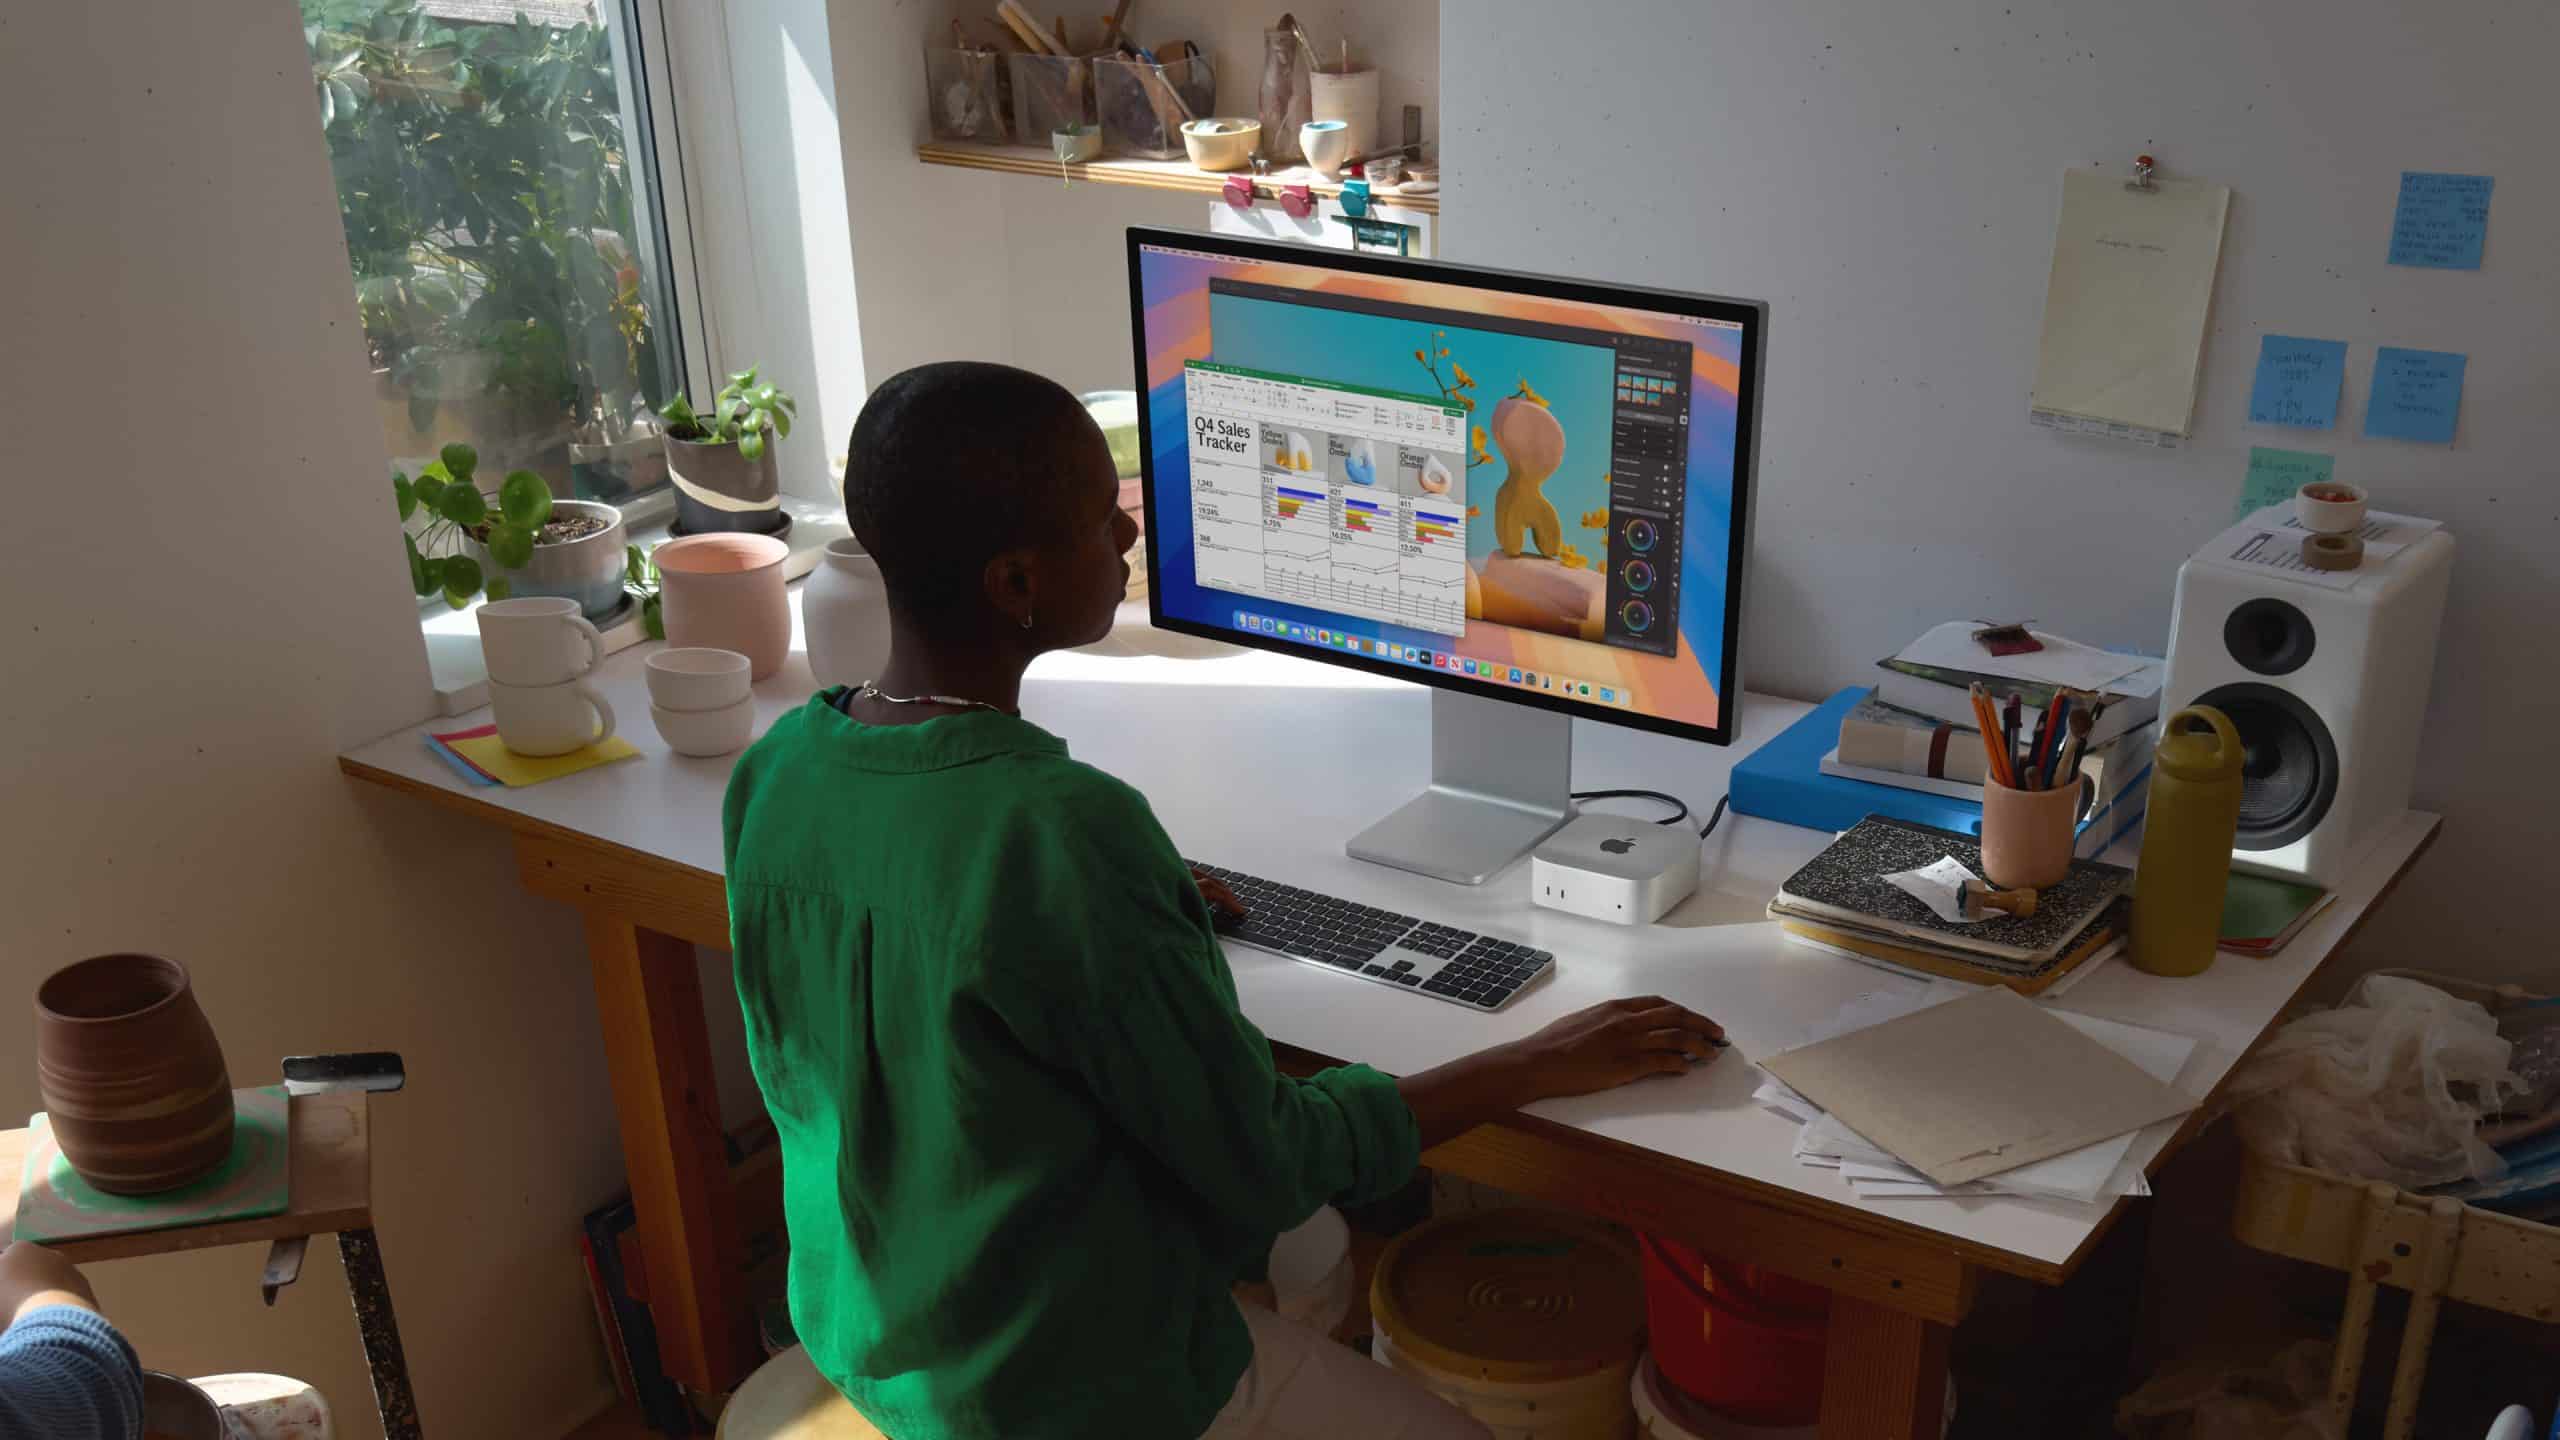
x: 2127, y: 301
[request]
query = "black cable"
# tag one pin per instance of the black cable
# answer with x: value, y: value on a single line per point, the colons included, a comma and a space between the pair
x: 1712, y: 818
x: 1678, y: 805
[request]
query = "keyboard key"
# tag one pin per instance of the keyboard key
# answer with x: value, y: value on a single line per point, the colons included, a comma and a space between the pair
x: 1373, y: 970
x: 1401, y: 965
x: 1407, y: 978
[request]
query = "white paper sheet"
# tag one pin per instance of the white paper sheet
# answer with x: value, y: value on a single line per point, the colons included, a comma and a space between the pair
x: 1940, y: 886
x: 2082, y: 1175
x: 1824, y: 1141
x: 2062, y: 661
x: 2124, y: 310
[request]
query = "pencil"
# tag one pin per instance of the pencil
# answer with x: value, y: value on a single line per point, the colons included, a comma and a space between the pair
x: 1996, y: 764
x: 2009, y: 738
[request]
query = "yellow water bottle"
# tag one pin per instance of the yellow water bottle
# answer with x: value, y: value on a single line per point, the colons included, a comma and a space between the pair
x: 2187, y: 831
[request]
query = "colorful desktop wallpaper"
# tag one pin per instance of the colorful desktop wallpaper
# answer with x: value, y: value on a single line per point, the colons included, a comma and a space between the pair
x: 1535, y: 404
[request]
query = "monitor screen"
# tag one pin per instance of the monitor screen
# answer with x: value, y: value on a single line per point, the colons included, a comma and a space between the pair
x: 1529, y: 488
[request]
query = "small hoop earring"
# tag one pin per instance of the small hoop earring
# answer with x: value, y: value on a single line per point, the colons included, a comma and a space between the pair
x: 1026, y: 619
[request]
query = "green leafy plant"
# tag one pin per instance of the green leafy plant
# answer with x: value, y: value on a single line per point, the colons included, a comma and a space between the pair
x: 640, y: 579
x: 485, y: 188
x: 445, y: 492
x: 744, y: 410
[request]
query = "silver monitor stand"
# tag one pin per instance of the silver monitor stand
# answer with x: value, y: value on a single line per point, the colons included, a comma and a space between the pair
x: 1501, y: 781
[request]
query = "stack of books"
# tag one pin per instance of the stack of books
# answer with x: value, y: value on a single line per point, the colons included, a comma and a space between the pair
x: 1841, y: 902
x: 1916, y: 730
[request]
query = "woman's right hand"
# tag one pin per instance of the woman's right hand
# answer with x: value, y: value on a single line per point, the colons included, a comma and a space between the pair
x: 1612, y: 1043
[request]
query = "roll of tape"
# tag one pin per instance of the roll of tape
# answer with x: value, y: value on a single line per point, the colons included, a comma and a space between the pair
x: 2333, y: 552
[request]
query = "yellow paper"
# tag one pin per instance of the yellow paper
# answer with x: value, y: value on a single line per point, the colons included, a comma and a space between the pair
x: 491, y: 754
x: 2124, y: 313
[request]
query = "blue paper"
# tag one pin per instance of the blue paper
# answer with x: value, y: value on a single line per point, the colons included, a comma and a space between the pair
x: 2298, y: 382
x: 2417, y: 395
x: 2443, y: 220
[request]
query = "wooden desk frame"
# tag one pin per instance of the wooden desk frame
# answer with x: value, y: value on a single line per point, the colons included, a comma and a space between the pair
x: 1898, y: 1291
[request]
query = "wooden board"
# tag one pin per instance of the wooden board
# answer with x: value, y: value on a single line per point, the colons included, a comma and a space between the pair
x: 1147, y: 174
x: 2500, y: 1261
x: 332, y: 1187
x: 253, y: 1182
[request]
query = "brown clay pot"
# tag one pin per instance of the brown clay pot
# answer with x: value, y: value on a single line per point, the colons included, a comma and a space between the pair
x: 132, y: 1076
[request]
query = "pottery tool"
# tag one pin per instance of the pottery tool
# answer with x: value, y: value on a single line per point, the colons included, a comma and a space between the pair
x: 55, y: 1204
x: 1024, y: 28
x: 2333, y: 552
x: 1978, y: 900
x: 1111, y: 26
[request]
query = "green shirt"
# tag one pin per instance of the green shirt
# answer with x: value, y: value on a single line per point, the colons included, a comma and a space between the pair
x: 1028, y: 1140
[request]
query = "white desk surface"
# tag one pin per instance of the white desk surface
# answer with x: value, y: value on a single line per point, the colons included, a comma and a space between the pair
x: 1246, y: 758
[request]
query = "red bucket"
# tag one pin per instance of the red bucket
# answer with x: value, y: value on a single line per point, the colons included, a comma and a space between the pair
x: 1738, y: 1339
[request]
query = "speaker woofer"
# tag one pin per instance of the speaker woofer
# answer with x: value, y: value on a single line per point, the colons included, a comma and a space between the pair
x: 2268, y: 636
x: 2289, y: 769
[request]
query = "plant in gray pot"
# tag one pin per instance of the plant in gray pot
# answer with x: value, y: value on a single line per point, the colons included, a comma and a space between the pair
x: 517, y: 541
x: 722, y: 462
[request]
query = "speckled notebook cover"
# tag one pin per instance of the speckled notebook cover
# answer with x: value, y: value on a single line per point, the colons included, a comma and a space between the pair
x: 1845, y: 883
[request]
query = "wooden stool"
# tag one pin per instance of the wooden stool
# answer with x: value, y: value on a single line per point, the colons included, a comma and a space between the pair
x: 787, y: 1399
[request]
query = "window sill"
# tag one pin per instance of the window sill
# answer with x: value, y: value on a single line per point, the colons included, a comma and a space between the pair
x: 453, y: 636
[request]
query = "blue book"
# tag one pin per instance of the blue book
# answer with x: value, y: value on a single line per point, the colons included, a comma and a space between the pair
x: 1783, y: 781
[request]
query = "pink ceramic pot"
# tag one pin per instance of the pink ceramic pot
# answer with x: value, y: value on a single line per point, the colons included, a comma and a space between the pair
x: 725, y: 592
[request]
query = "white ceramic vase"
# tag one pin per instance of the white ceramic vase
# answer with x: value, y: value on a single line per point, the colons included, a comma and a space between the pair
x: 845, y: 610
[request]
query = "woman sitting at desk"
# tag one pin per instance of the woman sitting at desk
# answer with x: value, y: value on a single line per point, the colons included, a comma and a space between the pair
x: 1029, y: 1142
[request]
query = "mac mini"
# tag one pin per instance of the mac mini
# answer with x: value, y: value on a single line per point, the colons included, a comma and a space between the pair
x: 1611, y: 867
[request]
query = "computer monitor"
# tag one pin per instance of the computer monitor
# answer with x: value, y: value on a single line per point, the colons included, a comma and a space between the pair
x: 1528, y: 493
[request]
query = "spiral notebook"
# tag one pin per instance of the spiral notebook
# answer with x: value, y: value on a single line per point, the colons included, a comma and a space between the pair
x: 1844, y: 887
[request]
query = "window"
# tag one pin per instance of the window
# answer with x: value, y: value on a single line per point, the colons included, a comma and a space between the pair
x: 507, y: 232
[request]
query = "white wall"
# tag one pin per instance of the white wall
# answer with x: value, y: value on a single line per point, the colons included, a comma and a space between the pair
x: 765, y: 181
x: 1887, y: 177
x: 202, y: 603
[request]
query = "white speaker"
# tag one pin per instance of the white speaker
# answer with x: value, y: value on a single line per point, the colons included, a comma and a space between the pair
x: 2327, y: 687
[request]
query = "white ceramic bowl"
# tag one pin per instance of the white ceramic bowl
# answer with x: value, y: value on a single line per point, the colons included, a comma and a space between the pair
x: 1327, y: 144
x: 1219, y: 143
x: 2329, y: 517
x: 706, y: 732
x: 697, y: 677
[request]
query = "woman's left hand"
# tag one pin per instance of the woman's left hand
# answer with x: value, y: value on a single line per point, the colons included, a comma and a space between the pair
x: 1223, y: 904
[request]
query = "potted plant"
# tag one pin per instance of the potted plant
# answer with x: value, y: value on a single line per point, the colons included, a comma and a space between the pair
x: 722, y: 462
x: 518, y: 541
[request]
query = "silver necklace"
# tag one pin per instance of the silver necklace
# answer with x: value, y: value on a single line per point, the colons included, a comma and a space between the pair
x: 870, y: 691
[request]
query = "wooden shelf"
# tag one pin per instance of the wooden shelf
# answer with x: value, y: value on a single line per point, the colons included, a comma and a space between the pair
x: 1178, y: 175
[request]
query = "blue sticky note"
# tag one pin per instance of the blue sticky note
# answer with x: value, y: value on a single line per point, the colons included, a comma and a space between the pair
x: 2443, y: 220
x: 2298, y: 382
x: 2417, y: 395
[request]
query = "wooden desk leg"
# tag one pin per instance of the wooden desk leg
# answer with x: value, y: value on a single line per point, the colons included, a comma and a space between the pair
x: 379, y: 1329
x: 658, y: 1048
x: 1884, y: 1373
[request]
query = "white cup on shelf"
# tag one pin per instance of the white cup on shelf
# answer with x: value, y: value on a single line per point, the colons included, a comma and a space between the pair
x: 549, y: 719
x: 537, y: 640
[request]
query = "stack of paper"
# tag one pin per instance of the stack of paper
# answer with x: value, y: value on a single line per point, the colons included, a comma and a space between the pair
x: 2090, y: 1174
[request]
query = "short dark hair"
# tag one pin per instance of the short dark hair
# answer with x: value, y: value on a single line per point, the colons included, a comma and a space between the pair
x: 950, y: 465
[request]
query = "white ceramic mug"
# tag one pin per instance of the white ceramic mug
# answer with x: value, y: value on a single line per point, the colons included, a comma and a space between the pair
x: 697, y: 677
x: 550, y: 719
x: 537, y: 640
